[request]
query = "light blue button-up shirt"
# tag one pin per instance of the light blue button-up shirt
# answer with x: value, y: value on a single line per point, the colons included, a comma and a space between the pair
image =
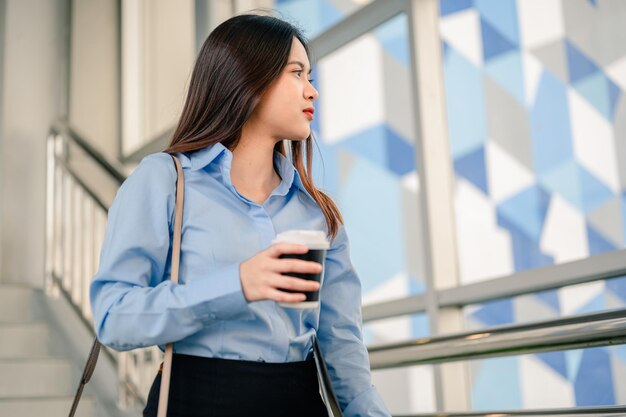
x: 136, y: 305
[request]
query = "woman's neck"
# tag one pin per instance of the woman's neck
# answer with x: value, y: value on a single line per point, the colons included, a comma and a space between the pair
x: 252, y: 167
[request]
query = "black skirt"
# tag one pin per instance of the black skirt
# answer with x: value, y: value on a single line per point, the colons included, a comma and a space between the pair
x: 211, y: 387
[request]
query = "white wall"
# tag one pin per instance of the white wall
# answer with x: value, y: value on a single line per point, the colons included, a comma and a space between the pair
x: 158, y: 45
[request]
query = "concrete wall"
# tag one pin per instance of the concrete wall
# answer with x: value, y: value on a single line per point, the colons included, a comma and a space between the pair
x: 94, y: 76
x: 33, y: 77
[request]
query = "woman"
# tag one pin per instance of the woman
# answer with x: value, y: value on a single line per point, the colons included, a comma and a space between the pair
x: 237, y: 352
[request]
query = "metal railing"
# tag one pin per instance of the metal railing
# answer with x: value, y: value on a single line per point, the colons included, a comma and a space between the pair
x: 76, y: 220
x: 76, y: 215
x: 606, y: 411
x: 606, y: 328
x: 597, y: 267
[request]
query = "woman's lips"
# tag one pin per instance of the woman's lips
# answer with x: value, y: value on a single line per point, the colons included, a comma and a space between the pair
x: 308, y: 113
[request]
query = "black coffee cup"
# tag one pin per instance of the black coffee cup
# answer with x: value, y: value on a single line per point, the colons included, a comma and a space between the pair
x: 316, y: 241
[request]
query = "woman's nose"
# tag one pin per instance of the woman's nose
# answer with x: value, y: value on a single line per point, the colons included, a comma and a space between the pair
x: 312, y: 93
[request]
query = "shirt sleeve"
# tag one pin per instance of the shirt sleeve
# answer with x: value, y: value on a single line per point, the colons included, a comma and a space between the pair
x: 134, y: 303
x: 340, y: 334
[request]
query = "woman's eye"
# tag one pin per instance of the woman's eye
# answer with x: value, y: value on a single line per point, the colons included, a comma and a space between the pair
x: 299, y: 72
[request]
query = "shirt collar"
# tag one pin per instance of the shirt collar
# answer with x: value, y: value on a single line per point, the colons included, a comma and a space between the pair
x: 203, y: 157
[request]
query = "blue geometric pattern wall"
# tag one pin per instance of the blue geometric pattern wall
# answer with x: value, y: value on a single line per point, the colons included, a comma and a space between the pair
x: 536, y: 122
x: 537, y: 118
x: 365, y: 136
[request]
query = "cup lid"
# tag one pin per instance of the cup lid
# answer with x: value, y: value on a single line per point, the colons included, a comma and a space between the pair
x: 314, y: 239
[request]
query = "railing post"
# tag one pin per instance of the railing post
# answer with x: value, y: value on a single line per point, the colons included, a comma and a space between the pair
x: 437, y: 202
x: 49, y: 247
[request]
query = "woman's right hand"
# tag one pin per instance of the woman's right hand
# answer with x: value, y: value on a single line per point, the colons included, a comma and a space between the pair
x: 261, y: 276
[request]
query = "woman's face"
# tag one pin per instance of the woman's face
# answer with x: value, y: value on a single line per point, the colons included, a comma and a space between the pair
x: 281, y: 110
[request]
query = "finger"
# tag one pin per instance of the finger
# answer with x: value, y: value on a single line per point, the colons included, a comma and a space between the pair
x: 285, y: 297
x: 298, y: 265
x: 294, y: 284
x: 284, y: 247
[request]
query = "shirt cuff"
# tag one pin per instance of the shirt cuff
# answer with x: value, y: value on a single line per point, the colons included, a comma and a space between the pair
x: 366, y: 404
x: 218, y: 296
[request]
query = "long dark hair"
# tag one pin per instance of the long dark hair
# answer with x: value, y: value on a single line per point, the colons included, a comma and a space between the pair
x: 237, y: 63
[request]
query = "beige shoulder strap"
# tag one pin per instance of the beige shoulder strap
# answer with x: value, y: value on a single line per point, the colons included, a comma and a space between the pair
x: 169, y: 349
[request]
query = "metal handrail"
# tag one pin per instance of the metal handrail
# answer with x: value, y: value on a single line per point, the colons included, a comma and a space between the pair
x: 115, y: 169
x: 582, y: 331
x: 599, y: 267
x: 596, y: 329
x: 72, y: 234
x: 595, y: 411
x: 156, y: 144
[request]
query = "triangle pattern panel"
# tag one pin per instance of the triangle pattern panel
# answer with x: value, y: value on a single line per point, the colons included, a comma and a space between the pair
x: 494, y: 43
x: 564, y: 234
x: 502, y: 15
x: 359, y: 208
x: 594, y: 381
x: 573, y: 358
x: 509, y: 128
x: 528, y: 210
x: 506, y: 175
x: 619, y: 352
x: 623, y: 204
x: 597, y: 242
x: 369, y: 144
x: 551, y: 298
x: 472, y: 167
x: 465, y: 104
x: 393, y: 35
x: 462, y: 32
x: 326, y: 173
x: 607, y: 221
x: 315, y: 124
x: 508, y: 72
x: 447, y: 7
x: 475, y: 215
x: 550, y: 125
x: 595, y: 305
x: 419, y: 326
x: 382, y: 146
x: 526, y: 252
x: 400, y: 153
x: 579, y: 65
x: 495, y: 313
x: 554, y: 58
x: 618, y: 287
x: 615, y: 93
x: 601, y: 92
x: 553, y: 391
x: 496, y: 385
x: 555, y: 360
x: 530, y: 308
x: 313, y: 16
x: 577, y: 185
